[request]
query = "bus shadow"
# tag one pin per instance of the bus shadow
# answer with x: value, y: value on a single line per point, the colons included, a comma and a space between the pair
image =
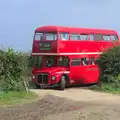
x: 32, y: 86
x: 78, y: 86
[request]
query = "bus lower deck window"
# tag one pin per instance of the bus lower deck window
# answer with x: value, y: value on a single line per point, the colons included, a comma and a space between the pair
x: 75, y: 62
x: 85, y: 61
x: 92, y: 61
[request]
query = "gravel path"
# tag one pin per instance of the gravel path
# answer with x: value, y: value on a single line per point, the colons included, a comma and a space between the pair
x: 71, y: 104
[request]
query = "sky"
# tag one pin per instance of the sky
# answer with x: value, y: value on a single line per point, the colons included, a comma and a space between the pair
x: 19, y: 18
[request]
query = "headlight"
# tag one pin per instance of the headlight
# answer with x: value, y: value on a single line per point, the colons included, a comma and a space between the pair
x: 33, y: 76
x: 53, y: 77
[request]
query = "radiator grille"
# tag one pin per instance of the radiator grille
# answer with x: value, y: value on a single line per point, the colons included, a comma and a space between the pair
x: 42, y: 78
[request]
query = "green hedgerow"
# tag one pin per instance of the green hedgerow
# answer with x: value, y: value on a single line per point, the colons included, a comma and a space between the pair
x: 109, y: 64
x: 13, y: 66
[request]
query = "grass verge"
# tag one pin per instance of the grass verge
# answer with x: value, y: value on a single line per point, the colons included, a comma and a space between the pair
x: 13, y: 98
x: 108, y: 88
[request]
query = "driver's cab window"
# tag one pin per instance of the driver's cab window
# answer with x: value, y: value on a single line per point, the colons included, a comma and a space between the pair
x: 36, y: 61
x: 48, y: 61
x: 63, y: 61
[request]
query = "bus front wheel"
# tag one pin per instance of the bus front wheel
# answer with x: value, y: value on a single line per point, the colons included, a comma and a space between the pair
x: 62, y: 83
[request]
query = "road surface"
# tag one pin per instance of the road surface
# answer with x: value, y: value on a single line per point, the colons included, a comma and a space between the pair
x: 71, y: 104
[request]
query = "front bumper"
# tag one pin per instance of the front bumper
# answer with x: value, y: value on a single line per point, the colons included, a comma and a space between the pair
x: 49, y: 86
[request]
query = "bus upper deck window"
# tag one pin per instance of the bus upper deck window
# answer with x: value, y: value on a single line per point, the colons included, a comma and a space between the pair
x: 63, y: 36
x: 106, y: 37
x: 84, y: 37
x: 51, y: 36
x: 39, y: 36
x: 114, y: 37
x: 74, y: 36
x: 98, y: 37
x: 91, y: 37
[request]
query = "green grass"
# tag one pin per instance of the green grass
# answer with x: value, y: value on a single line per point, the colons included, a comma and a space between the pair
x: 108, y: 88
x: 13, y: 98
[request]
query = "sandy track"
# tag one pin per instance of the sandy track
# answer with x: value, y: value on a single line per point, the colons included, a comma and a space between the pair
x: 90, y: 105
x: 77, y: 94
x: 71, y: 104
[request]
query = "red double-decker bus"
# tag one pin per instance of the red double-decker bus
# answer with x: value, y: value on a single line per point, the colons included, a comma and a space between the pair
x: 63, y: 56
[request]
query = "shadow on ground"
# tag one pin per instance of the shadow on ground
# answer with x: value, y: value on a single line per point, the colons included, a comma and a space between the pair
x: 32, y: 86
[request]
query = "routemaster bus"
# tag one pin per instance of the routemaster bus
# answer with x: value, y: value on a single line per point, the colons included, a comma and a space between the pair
x: 63, y: 56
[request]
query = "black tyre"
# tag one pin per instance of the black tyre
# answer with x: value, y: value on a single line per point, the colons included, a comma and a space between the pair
x: 62, y: 83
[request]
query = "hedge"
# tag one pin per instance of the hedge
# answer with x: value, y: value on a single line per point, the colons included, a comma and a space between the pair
x: 13, y: 69
x: 109, y: 64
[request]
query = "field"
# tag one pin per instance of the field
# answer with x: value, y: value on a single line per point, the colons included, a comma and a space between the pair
x: 14, y: 98
x: 71, y: 104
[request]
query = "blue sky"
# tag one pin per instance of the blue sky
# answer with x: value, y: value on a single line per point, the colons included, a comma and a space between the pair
x: 19, y: 18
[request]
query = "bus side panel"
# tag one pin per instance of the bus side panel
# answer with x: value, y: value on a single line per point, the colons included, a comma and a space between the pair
x: 83, y: 46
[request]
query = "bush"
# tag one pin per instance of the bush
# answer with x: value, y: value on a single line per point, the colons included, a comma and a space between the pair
x: 109, y: 64
x: 13, y: 66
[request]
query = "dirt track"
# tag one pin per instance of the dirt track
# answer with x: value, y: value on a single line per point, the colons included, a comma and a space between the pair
x: 71, y: 104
